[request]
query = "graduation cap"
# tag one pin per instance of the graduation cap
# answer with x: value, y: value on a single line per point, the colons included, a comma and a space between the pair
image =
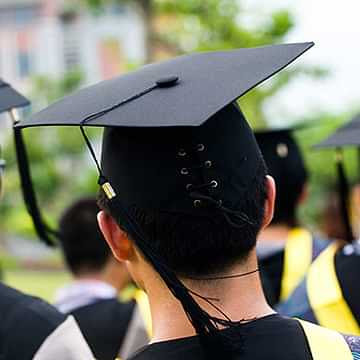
x: 346, y: 135
x: 10, y: 100
x: 285, y: 164
x: 175, y: 141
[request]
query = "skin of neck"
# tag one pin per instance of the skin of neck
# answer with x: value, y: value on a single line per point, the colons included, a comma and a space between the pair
x: 114, y: 273
x: 240, y: 298
x: 274, y: 234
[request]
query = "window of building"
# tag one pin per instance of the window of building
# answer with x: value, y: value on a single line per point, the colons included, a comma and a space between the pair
x: 72, y: 56
x: 24, y: 64
x: 23, y: 54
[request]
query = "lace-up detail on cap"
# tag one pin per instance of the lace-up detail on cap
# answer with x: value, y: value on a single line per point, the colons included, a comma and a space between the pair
x: 202, y: 188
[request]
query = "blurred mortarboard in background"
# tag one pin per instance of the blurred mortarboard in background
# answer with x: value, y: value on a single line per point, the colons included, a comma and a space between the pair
x: 344, y: 136
x: 10, y: 98
x: 281, y: 152
x: 285, y: 163
x: 175, y: 141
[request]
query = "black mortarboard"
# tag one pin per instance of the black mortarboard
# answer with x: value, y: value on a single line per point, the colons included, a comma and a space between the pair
x: 346, y: 135
x: 281, y: 153
x: 10, y: 100
x: 286, y: 165
x: 206, y: 83
x: 175, y: 141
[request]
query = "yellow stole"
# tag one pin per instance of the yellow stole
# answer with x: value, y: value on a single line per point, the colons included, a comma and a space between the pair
x: 326, y: 344
x: 144, y: 307
x: 297, y: 260
x: 325, y: 295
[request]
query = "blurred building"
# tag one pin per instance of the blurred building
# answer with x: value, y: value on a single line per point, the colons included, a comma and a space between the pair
x: 50, y: 37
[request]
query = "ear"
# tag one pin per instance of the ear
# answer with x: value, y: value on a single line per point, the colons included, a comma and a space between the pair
x: 270, y: 201
x: 116, y: 238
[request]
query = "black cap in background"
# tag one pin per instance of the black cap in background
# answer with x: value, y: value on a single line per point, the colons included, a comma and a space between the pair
x: 344, y: 136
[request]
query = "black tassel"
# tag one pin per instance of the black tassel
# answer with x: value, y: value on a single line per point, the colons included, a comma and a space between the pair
x: 45, y: 233
x: 343, y: 188
x: 213, y: 341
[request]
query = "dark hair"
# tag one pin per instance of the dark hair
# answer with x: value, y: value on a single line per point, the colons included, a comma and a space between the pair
x: 196, y: 246
x: 81, y: 240
x: 289, y: 188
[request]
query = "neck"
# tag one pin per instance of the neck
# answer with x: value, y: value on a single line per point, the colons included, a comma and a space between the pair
x: 113, y: 274
x: 274, y: 234
x: 240, y: 298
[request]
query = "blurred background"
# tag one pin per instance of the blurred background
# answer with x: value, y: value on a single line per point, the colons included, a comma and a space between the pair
x: 49, y: 48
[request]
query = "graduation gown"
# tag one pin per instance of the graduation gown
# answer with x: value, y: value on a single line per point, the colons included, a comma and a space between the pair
x: 328, y: 296
x: 114, y: 328
x: 32, y: 329
x: 265, y: 339
x: 283, y: 270
x: 104, y: 325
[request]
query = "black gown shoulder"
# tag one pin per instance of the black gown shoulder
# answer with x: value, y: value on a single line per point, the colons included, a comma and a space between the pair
x: 104, y: 325
x: 25, y: 323
x: 264, y: 339
x: 271, y: 271
x: 348, y: 272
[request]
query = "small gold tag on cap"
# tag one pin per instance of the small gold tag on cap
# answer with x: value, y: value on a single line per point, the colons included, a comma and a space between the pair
x: 109, y: 191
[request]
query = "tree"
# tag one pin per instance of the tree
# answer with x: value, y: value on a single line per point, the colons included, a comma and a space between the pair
x: 58, y: 164
x: 172, y: 27
x: 181, y: 26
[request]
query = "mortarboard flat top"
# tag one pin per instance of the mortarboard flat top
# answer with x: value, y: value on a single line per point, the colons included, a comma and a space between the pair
x: 10, y: 98
x: 207, y: 82
x: 346, y: 135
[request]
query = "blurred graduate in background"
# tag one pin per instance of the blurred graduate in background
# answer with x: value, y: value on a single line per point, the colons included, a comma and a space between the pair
x: 110, y: 326
x: 330, y: 294
x: 285, y: 248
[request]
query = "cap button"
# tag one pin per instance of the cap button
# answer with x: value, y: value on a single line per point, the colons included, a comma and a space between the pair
x: 167, y: 81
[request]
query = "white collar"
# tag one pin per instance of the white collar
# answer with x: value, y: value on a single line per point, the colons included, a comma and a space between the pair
x: 81, y: 293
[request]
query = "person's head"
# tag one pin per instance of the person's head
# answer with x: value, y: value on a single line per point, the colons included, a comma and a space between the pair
x: 286, y: 165
x: 203, y: 237
x: 85, y: 250
x: 332, y: 223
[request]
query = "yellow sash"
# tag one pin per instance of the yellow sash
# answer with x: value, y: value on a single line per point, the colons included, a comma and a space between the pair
x: 144, y: 307
x: 326, y: 344
x: 325, y: 295
x: 297, y: 260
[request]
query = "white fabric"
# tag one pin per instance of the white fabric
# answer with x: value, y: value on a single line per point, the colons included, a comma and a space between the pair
x: 136, y: 336
x: 66, y: 342
x: 81, y: 293
x: 265, y: 250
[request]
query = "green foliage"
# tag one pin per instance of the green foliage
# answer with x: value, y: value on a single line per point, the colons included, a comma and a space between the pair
x: 61, y: 168
x: 198, y: 25
x: 49, y: 89
x: 57, y: 158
